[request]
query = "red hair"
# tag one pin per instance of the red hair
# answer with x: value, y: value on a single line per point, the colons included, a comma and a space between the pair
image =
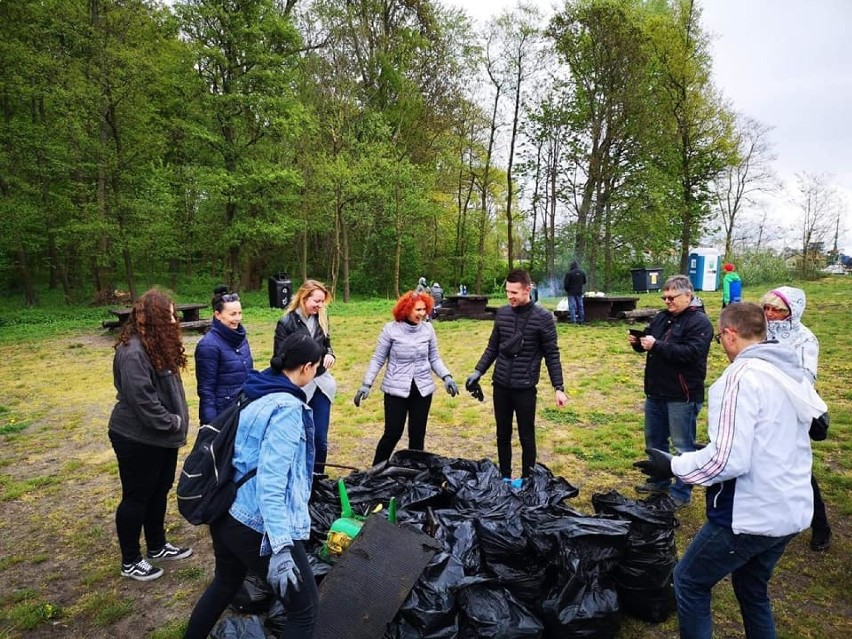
x: 405, y: 304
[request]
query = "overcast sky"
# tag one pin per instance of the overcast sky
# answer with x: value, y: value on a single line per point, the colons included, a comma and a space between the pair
x: 786, y: 63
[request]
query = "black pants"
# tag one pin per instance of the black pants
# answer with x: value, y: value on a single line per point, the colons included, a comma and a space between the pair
x: 819, y: 523
x: 237, y: 550
x: 147, y: 473
x: 509, y: 402
x: 415, y: 407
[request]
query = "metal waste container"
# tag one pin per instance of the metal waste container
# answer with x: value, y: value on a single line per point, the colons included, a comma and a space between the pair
x: 646, y: 279
x: 280, y: 290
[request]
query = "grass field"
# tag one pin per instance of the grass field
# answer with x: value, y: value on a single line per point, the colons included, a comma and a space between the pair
x: 59, y: 484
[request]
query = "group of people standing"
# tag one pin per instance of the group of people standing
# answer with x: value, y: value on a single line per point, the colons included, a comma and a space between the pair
x: 757, y: 462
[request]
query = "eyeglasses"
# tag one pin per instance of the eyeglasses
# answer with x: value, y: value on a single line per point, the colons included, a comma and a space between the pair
x: 717, y: 338
x: 670, y: 298
x: 230, y: 297
x: 774, y: 310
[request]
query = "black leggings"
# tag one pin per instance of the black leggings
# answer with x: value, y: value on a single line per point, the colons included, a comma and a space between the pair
x: 147, y: 473
x: 416, y: 408
x: 237, y: 550
x: 509, y: 402
x: 819, y: 523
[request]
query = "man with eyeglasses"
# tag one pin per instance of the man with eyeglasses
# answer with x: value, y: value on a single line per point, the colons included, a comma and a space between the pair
x: 677, y: 342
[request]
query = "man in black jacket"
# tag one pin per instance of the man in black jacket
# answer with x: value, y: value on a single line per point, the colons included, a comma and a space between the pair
x: 523, y: 334
x: 677, y: 342
x: 575, y: 280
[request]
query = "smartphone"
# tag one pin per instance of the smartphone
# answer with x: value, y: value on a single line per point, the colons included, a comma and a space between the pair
x: 637, y: 333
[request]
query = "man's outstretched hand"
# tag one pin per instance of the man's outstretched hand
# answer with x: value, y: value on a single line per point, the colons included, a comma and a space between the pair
x: 657, y: 466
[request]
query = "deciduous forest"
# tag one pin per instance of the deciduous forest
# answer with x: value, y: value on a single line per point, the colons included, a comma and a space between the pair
x: 366, y: 143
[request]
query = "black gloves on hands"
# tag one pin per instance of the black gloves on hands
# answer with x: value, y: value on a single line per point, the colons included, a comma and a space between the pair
x: 363, y: 393
x: 451, y: 386
x: 283, y: 573
x: 657, y: 466
x: 472, y: 386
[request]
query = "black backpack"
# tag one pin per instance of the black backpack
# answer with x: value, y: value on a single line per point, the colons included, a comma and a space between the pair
x: 205, y: 490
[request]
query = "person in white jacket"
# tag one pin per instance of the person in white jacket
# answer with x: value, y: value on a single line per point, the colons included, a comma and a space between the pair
x: 756, y: 469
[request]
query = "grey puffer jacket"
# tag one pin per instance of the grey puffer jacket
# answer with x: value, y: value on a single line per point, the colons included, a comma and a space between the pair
x: 151, y: 406
x: 524, y: 369
x: 411, y: 353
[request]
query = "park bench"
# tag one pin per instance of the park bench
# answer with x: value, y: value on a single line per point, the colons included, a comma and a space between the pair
x: 190, y: 317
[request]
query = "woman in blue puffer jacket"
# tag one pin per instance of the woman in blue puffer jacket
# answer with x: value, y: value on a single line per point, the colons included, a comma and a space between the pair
x: 222, y: 357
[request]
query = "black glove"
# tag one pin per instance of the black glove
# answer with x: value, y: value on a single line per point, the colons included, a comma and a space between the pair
x: 472, y: 385
x: 657, y: 466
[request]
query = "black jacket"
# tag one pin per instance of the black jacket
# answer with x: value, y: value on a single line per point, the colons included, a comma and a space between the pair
x: 291, y: 323
x: 574, y: 281
x: 677, y: 364
x: 524, y: 369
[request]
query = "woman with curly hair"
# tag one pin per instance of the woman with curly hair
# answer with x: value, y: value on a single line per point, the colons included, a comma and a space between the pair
x: 409, y: 346
x: 147, y: 426
x: 307, y: 314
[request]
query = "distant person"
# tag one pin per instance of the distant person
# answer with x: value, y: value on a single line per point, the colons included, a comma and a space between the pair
x: 222, y: 357
x: 462, y: 289
x: 784, y: 308
x: 522, y: 335
x: 756, y: 471
x: 575, y: 280
x: 422, y: 286
x: 268, y: 524
x: 677, y: 342
x: 533, y: 293
x: 437, y: 297
x: 147, y: 426
x: 409, y: 347
x: 732, y: 286
x: 308, y: 314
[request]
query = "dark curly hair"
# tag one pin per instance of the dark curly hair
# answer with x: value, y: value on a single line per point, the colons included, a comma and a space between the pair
x: 405, y: 304
x: 153, y: 321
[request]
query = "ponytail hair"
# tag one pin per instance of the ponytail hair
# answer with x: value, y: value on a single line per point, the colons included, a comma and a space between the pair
x: 297, y: 350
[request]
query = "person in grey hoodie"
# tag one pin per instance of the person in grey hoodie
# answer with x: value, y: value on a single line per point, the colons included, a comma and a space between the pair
x: 756, y: 469
x: 409, y: 347
x: 147, y: 426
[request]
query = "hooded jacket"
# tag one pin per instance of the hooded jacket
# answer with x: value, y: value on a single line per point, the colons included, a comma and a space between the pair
x: 411, y: 353
x: 222, y: 363
x: 757, y: 465
x: 276, y: 436
x: 676, y: 366
x: 574, y: 280
x: 792, y: 333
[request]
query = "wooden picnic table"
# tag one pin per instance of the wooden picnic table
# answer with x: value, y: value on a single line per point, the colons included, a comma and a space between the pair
x: 465, y: 306
x: 190, y: 317
x: 602, y: 308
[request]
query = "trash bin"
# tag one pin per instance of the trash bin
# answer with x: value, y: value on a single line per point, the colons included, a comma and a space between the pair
x: 646, y: 279
x: 280, y: 290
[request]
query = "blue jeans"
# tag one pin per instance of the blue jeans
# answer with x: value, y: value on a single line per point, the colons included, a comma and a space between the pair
x: 715, y: 553
x: 666, y: 419
x: 576, y: 311
x: 321, y: 405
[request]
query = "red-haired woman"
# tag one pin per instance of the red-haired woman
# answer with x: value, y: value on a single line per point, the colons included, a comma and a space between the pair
x: 410, y: 348
x: 147, y: 426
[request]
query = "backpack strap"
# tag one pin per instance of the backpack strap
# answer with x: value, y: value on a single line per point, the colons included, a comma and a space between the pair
x: 245, y: 478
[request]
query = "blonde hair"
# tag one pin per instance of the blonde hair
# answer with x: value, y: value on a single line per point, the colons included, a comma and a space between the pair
x: 305, y: 290
x: 773, y: 299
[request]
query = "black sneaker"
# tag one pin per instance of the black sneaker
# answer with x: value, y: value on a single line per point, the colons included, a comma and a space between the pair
x: 141, y: 571
x: 169, y: 552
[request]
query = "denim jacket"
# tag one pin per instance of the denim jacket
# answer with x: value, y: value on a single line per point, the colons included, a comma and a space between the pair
x: 276, y: 436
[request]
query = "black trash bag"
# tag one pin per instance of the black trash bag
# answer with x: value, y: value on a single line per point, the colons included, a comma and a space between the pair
x: 542, y: 488
x: 644, y: 578
x: 457, y: 531
x: 507, y: 554
x: 254, y: 596
x: 275, y: 619
x: 581, y: 607
x: 430, y: 610
x: 242, y: 627
x: 491, y: 612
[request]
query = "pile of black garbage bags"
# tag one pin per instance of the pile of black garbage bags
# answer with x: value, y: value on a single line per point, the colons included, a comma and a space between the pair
x: 516, y: 562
